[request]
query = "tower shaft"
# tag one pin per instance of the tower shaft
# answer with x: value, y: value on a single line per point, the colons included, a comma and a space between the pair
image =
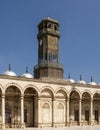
x: 48, y: 50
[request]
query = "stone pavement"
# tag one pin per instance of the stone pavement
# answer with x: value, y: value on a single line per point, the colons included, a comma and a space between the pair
x: 61, y: 128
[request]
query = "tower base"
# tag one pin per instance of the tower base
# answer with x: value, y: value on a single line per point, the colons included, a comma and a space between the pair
x: 49, y: 70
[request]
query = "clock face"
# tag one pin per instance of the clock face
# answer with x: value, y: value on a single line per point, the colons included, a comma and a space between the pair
x: 40, y: 42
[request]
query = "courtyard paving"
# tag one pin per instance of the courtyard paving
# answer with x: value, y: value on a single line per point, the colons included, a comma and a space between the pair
x: 68, y: 128
x: 62, y: 128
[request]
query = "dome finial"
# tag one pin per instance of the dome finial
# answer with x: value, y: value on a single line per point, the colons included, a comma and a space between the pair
x: 26, y: 69
x: 80, y: 77
x: 9, y: 72
x: 26, y: 74
x: 81, y: 81
x: 92, y: 82
x: 69, y: 79
x: 68, y: 75
x: 91, y: 79
x: 9, y: 67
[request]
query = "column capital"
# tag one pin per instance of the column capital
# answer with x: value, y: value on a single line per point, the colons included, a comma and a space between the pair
x: 3, y: 95
x: 39, y: 98
x: 22, y: 96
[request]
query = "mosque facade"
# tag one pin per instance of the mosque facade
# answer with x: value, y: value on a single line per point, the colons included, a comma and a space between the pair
x: 47, y: 100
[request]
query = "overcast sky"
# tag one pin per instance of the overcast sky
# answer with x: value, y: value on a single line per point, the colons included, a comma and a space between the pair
x: 79, y: 41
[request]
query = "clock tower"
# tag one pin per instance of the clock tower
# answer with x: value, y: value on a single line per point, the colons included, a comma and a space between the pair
x: 48, y: 50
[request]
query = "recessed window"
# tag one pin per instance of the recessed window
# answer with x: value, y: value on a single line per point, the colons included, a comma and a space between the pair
x: 49, y: 25
x: 55, y: 27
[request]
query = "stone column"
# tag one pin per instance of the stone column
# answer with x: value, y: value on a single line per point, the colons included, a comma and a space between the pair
x: 39, y: 116
x: 22, y: 111
x: 3, y: 111
x: 53, y: 112
x: 67, y: 111
x: 80, y: 109
x: 91, y: 112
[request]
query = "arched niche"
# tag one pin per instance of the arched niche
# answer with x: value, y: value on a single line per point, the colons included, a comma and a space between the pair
x: 46, y: 99
x: 46, y: 111
x: 60, y: 112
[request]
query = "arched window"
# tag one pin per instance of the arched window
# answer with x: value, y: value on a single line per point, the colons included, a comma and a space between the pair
x: 49, y: 25
x: 45, y: 26
x: 55, y: 27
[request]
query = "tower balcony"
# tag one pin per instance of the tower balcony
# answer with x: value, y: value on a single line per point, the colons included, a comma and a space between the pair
x: 48, y: 70
x: 49, y: 64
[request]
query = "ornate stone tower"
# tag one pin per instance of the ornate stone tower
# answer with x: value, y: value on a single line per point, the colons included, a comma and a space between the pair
x: 48, y: 50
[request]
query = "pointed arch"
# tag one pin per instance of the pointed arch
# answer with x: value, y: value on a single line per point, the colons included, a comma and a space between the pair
x: 13, y: 84
x: 86, y: 91
x: 49, y: 89
x: 31, y: 86
x: 61, y: 92
x: 63, y: 89
x: 98, y: 92
x: 96, y: 96
x: 74, y: 90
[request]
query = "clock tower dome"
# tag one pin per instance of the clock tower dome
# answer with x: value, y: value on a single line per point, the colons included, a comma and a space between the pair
x: 48, y: 50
